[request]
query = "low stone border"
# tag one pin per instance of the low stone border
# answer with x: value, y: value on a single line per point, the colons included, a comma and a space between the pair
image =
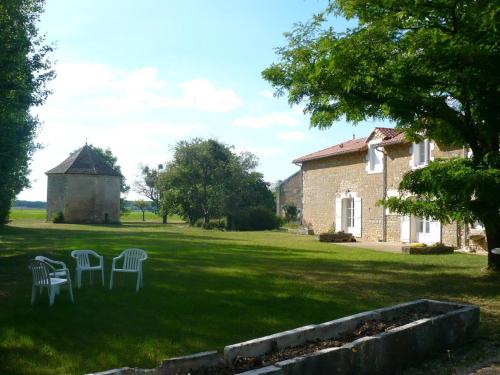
x: 383, y: 353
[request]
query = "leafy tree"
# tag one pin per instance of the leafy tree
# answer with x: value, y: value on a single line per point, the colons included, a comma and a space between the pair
x: 246, y: 191
x: 143, y: 206
x: 432, y: 68
x: 24, y: 72
x: 112, y: 160
x: 206, y: 180
x: 147, y: 186
x: 195, y: 179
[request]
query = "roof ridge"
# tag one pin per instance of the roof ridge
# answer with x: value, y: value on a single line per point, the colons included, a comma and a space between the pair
x: 87, y: 161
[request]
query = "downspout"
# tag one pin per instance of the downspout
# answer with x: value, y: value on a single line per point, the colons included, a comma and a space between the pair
x: 384, y: 192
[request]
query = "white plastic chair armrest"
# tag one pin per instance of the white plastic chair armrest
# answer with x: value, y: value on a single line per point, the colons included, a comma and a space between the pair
x: 50, y: 261
x: 114, y: 262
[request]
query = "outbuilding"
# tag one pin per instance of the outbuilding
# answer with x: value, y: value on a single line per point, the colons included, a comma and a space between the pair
x: 84, y: 188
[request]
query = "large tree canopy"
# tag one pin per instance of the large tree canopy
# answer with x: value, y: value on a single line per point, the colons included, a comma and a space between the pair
x: 429, y: 66
x: 24, y: 73
x: 206, y: 180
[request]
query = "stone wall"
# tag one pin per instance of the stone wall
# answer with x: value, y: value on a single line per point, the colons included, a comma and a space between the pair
x: 290, y: 192
x: 326, y: 179
x: 84, y: 198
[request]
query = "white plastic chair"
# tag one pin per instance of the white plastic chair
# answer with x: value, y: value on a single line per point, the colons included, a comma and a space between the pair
x: 83, y: 263
x: 42, y: 279
x: 61, y: 271
x: 132, y: 262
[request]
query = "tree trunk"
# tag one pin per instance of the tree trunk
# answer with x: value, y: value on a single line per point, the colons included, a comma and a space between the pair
x: 143, y: 212
x: 164, y: 219
x: 493, y: 238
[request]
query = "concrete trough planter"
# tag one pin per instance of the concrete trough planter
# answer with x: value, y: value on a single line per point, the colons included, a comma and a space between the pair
x: 444, y: 326
x: 383, y: 353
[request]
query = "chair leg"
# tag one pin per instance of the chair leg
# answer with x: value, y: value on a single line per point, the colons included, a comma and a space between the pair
x: 33, y: 294
x: 102, y: 276
x: 79, y: 278
x: 111, y: 280
x: 71, y: 292
x: 138, y: 281
x: 52, y: 295
x: 90, y: 276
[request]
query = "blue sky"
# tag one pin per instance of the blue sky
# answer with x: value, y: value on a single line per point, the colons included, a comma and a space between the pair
x: 138, y: 76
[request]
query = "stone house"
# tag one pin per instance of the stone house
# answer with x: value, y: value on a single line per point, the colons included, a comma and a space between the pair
x: 343, y: 183
x: 84, y: 188
x: 289, y: 192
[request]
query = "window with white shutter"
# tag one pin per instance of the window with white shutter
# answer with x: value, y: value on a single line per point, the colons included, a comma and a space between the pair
x: 375, y: 158
x: 421, y: 153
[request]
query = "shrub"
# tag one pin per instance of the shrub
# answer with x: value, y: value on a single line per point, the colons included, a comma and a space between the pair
x: 256, y: 218
x: 58, y: 218
x: 212, y: 224
x: 291, y: 212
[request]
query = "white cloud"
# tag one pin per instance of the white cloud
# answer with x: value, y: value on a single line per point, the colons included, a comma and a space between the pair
x: 266, y: 121
x: 267, y: 94
x: 99, y: 85
x: 291, y: 136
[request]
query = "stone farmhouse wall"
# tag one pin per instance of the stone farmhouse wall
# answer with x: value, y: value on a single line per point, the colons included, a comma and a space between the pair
x: 289, y: 192
x: 84, y: 198
x: 324, y: 180
x: 398, y: 163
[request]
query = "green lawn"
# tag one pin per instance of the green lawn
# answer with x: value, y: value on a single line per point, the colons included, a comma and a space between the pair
x: 203, y: 290
x: 132, y: 216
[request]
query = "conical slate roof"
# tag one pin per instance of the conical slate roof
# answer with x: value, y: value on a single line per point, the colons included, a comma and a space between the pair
x: 84, y: 161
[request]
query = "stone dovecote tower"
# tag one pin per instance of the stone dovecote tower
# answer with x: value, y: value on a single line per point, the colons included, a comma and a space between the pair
x: 85, y: 189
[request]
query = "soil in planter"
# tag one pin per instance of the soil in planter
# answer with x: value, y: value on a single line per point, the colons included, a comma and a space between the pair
x: 366, y: 328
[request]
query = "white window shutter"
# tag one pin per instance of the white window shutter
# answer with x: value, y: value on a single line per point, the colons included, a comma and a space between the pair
x: 357, y: 217
x: 414, y: 154
x: 405, y: 228
x: 434, y: 231
x: 338, y: 215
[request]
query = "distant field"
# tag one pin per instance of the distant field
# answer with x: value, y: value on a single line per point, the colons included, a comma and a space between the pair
x: 133, y: 216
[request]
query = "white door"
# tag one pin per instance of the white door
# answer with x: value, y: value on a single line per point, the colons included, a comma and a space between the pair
x: 349, y: 212
x: 427, y: 231
x: 405, y: 229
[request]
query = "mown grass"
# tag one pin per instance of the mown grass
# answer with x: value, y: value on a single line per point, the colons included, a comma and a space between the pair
x: 204, y: 290
x: 131, y: 216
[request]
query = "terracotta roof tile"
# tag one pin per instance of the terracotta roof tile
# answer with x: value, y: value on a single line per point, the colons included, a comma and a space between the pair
x: 388, y: 132
x: 399, y: 138
x: 347, y: 147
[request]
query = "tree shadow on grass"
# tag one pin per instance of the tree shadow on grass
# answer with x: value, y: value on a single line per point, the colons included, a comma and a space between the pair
x: 203, y: 292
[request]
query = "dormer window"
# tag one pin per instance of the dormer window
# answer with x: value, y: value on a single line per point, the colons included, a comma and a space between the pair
x: 421, y: 153
x: 375, y: 158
